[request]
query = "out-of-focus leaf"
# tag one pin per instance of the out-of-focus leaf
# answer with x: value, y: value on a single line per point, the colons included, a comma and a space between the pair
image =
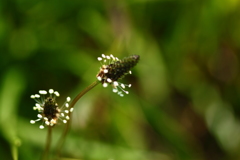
x: 10, y: 94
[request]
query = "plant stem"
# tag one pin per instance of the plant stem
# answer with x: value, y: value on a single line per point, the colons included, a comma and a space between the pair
x: 75, y: 100
x: 48, y: 144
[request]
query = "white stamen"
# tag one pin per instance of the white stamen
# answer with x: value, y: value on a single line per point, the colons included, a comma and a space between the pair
x: 105, y: 84
x: 62, y: 114
x: 103, y: 55
x: 109, y: 80
x: 129, y: 85
x: 53, y: 121
x: 32, y: 96
x: 108, y: 57
x: 56, y: 93
x: 64, y: 121
x: 45, y: 118
x: 42, y: 92
x: 32, y: 121
x: 51, y: 91
x: 38, y: 105
x: 41, y: 126
x: 38, y: 120
x: 105, y: 71
x: 99, y: 78
x: 68, y: 99
x: 67, y: 105
x: 67, y: 117
x: 71, y: 109
x: 122, y: 85
x: 99, y: 58
x: 66, y: 111
x: 47, y: 123
x: 130, y: 72
x: 37, y: 96
x: 115, y: 83
x: 112, y: 57
x: 39, y: 116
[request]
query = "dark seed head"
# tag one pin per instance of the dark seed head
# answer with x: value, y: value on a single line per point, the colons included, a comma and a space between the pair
x: 50, y: 109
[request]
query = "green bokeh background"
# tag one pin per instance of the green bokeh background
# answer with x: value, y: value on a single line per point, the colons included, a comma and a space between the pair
x: 184, y: 103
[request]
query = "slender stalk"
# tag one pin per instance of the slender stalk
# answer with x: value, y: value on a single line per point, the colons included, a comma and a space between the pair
x: 75, y: 100
x: 45, y: 155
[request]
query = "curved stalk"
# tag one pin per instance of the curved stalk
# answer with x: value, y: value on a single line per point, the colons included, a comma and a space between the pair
x: 75, y: 100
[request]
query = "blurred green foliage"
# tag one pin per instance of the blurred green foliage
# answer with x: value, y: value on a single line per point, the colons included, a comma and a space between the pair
x: 184, y: 103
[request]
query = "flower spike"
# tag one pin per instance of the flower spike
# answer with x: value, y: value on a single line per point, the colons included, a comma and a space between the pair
x: 113, y: 69
x: 48, y: 109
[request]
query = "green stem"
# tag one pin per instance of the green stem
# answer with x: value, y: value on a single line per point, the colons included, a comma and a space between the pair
x: 48, y: 144
x: 75, y: 100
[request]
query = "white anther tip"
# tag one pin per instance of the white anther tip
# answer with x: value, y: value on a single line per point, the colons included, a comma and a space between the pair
x: 37, y: 96
x: 66, y: 111
x: 51, y: 91
x: 105, y: 71
x: 32, y: 121
x: 109, y: 80
x: 56, y: 93
x: 68, y: 99
x: 42, y: 92
x: 115, y: 83
x: 99, y: 78
x: 105, y: 84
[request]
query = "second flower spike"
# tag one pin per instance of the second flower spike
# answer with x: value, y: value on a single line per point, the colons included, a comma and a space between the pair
x: 112, y: 69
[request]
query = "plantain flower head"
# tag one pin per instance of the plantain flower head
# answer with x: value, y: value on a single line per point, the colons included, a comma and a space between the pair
x: 113, y: 69
x: 49, y: 111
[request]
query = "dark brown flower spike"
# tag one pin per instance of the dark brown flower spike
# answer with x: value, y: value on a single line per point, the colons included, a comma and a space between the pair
x: 113, y: 69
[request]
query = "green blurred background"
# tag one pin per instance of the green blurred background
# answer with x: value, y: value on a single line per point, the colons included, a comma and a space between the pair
x: 184, y: 103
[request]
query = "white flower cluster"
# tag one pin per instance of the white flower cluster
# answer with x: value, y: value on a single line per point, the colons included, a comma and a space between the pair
x: 48, y: 109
